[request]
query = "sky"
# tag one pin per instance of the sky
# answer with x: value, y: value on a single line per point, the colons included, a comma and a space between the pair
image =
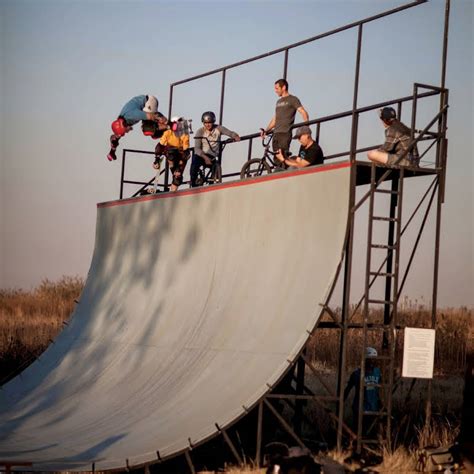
x: 67, y: 67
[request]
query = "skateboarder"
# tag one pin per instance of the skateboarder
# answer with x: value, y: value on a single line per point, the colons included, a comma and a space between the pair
x: 141, y: 107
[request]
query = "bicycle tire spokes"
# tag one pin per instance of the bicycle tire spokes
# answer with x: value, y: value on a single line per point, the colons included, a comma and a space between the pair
x: 255, y: 167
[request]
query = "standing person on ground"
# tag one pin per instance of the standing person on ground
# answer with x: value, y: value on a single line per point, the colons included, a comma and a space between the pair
x: 310, y: 152
x: 286, y: 107
x: 174, y: 145
x: 141, y: 107
x: 207, y: 143
x: 397, y: 142
x: 372, y: 378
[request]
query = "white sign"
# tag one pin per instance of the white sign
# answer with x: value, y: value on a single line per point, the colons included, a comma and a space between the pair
x: 418, y: 353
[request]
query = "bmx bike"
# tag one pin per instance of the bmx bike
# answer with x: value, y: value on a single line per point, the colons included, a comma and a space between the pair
x: 264, y: 165
x: 211, y: 174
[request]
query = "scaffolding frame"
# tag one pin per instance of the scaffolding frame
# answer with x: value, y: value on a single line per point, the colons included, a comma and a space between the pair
x: 362, y: 173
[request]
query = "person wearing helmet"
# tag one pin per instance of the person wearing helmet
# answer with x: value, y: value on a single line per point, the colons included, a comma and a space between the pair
x: 396, y: 149
x: 141, y: 107
x: 174, y: 145
x: 372, y: 378
x: 207, y: 143
x: 281, y: 123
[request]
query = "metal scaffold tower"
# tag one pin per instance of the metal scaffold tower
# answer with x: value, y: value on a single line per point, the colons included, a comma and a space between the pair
x: 383, y: 324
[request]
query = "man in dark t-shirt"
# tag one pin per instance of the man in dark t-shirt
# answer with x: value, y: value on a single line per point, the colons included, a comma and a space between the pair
x: 310, y: 152
x: 286, y: 107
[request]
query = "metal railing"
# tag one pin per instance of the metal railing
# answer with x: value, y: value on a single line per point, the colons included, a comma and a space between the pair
x: 352, y: 153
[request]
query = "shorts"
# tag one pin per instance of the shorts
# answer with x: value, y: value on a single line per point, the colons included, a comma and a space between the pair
x: 407, y: 161
x: 281, y: 140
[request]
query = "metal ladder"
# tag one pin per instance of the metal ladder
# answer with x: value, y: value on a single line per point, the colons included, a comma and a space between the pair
x: 387, y: 327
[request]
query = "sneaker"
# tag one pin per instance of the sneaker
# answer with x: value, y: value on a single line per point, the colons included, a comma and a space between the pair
x: 111, y: 156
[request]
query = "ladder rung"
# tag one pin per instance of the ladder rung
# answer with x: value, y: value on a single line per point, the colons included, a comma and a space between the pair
x: 373, y: 326
x: 383, y: 246
x: 378, y: 385
x: 380, y: 302
x: 386, y: 191
x: 388, y: 219
x: 370, y: 326
x: 376, y: 413
x: 383, y: 274
x: 370, y: 441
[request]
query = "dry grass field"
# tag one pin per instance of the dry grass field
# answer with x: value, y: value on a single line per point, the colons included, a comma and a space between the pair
x: 29, y: 320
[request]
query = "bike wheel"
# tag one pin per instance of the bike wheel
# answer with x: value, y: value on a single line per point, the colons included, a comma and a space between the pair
x: 255, y: 167
x: 216, y: 174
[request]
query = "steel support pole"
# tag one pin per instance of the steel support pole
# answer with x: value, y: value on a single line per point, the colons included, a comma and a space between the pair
x: 389, y: 267
x: 221, y: 110
x: 435, y: 286
x: 368, y: 266
x: 345, y: 315
x: 284, y: 424
x: 355, y: 117
x: 170, y: 105
x: 122, y: 176
x: 285, y: 64
x: 189, y: 461
x: 444, y: 57
x: 300, y: 372
x: 394, y: 315
x: 230, y: 444
x: 349, y: 249
x: 221, y: 106
x: 413, y: 111
x: 258, y: 454
x: 441, y: 187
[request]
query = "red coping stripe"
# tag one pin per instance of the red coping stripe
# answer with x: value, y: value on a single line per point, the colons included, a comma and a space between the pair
x: 232, y: 184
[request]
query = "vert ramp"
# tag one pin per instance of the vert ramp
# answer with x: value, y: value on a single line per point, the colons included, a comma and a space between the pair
x: 194, y: 304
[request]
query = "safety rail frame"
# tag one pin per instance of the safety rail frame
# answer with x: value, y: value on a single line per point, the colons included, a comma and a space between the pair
x: 433, y: 91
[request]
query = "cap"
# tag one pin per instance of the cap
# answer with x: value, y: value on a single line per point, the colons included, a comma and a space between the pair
x: 387, y: 113
x: 304, y: 130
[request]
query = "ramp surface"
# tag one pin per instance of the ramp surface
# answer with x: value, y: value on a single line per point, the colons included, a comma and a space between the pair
x: 194, y: 302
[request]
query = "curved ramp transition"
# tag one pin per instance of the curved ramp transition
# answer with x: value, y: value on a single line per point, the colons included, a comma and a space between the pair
x: 194, y: 302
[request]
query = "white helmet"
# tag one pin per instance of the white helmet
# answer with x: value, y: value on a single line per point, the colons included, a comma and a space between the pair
x: 151, y: 105
x: 370, y: 352
x: 176, y: 118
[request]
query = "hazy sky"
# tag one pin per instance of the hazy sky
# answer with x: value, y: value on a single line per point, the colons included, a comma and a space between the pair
x: 67, y: 67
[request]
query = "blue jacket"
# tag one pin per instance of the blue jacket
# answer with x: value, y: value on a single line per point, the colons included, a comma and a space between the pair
x: 132, y: 111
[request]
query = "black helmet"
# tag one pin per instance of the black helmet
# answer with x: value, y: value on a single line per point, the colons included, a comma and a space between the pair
x: 388, y: 113
x: 208, y: 117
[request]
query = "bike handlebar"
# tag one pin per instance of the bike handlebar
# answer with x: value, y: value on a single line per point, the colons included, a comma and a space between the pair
x: 222, y: 142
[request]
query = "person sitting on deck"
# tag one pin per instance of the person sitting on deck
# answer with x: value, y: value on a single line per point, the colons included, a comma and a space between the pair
x: 310, y: 152
x: 396, y: 149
